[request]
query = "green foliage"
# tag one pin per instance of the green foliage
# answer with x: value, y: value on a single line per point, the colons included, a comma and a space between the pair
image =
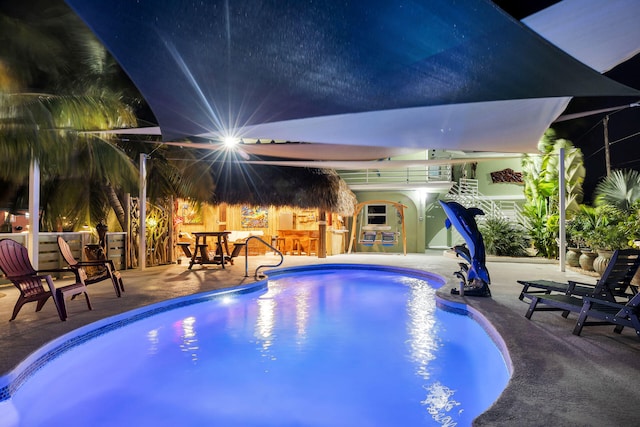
x: 543, y: 229
x: 581, y: 226
x: 604, y: 227
x: 620, y: 189
x: 501, y: 238
x: 57, y: 80
x: 631, y: 224
x: 614, y: 223
x: 609, y: 232
x: 540, y: 175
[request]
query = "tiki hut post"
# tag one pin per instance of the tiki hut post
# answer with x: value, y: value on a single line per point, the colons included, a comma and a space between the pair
x: 322, y: 228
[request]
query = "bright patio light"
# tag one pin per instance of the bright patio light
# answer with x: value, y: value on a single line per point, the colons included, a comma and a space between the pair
x: 230, y: 141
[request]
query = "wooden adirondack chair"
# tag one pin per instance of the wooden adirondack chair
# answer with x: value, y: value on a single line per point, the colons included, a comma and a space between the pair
x: 103, y: 269
x: 15, y: 264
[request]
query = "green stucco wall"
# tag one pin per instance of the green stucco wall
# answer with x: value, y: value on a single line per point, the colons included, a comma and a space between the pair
x: 414, y: 227
x: 488, y: 188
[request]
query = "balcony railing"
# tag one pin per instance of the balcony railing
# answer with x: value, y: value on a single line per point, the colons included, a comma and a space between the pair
x: 400, y: 177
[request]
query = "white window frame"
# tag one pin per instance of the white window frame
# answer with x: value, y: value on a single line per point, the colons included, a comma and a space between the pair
x: 373, y: 218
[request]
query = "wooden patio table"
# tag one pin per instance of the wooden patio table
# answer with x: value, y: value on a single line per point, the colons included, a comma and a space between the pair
x: 221, y: 253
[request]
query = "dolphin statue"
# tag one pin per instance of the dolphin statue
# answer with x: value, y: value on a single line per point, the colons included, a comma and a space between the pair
x: 463, y: 220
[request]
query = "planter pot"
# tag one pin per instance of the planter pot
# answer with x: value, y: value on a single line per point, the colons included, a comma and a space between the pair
x: 636, y: 278
x: 601, y: 261
x: 586, y: 259
x: 573, y: 257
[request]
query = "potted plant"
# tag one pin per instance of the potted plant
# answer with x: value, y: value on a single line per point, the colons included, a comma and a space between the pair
x: 582, y: 226
x: 631, y: 227
x: 608, y: 235
x: 574, y: 242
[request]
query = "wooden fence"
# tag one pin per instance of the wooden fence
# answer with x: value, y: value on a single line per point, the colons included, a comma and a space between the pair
x: 49, y: 256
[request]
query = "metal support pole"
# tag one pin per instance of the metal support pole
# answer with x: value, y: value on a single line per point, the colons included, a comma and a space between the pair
x: 562, y: 208
x: 34, y: 212
x: 607, y: 154
x: 143, y: 212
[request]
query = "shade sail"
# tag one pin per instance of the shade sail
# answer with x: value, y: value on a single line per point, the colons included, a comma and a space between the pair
x: 387, y: 73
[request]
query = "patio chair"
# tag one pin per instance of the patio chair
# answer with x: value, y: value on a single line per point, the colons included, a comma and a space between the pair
x: 102, y: 269
x: 368, y: 238
x: 615, y: 281
x: 15, y: 264
x: 388, y: 238
x: 609, y: 312
x: 186, y: 249
x: 237, y: 247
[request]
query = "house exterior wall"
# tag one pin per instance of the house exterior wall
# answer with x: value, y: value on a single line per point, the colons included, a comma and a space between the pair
x: 437, y: 235
x: 425, y: 218
x: 414, y: 225
x: 265, y: 224
x: 503, y: 190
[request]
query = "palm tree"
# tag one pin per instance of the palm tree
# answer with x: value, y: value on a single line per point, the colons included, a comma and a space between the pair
x: 541, y: 178
x: 48, y: 96
x: 53, y: 85
x: 620, y: 189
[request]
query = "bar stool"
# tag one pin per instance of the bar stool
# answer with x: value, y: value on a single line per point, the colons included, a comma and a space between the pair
x: 281, y: 244
x: 313, y: 245
x: 296, y: 245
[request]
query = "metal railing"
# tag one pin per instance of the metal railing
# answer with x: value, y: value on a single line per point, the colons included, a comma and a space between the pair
x: 246, y: 257
x: 466, y: 193
x: 414, y: 175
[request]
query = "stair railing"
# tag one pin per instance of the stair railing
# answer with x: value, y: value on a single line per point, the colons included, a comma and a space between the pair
x: 466, y: 193
x: 246, y: 257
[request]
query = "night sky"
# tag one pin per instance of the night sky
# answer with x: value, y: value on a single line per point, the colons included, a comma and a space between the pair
x: 588, y: 132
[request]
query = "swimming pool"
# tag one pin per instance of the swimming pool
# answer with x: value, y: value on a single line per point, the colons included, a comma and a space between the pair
x: 333, y: 345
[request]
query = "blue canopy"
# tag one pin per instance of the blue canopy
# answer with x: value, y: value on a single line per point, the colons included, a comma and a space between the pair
x: 328, y: 71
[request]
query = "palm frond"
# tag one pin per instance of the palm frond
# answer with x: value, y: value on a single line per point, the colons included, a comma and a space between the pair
x: 620, y: 189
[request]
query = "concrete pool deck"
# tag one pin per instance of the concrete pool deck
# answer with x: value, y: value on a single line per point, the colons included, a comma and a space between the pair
x: 559, y: 379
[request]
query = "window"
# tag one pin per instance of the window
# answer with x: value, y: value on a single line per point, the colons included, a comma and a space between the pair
x: 376, y: 214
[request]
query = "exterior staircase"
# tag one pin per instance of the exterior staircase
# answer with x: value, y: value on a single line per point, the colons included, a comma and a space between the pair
x: 466, y: 193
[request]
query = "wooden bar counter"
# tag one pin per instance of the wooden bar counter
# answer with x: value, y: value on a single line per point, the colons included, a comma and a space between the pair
x: 298, y: 241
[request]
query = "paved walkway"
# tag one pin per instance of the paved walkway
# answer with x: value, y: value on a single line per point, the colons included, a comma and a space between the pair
x: 559, y: 379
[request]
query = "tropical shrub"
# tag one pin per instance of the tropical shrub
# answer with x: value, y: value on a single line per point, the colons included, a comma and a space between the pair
x: 542, y: 228
x: 617, y: 199
x: 502, y: 238
x: 620, y: 189
x: 581, y: 226
x: 540, y: 175
x: 609, y: 234
x: 631, y: 225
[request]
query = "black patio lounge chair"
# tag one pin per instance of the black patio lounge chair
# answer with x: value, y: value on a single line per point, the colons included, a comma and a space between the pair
x: 609, y: 313
x: 615, y: 281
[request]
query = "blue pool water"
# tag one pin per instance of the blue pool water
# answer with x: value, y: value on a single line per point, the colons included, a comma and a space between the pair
x: 344, y: 347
